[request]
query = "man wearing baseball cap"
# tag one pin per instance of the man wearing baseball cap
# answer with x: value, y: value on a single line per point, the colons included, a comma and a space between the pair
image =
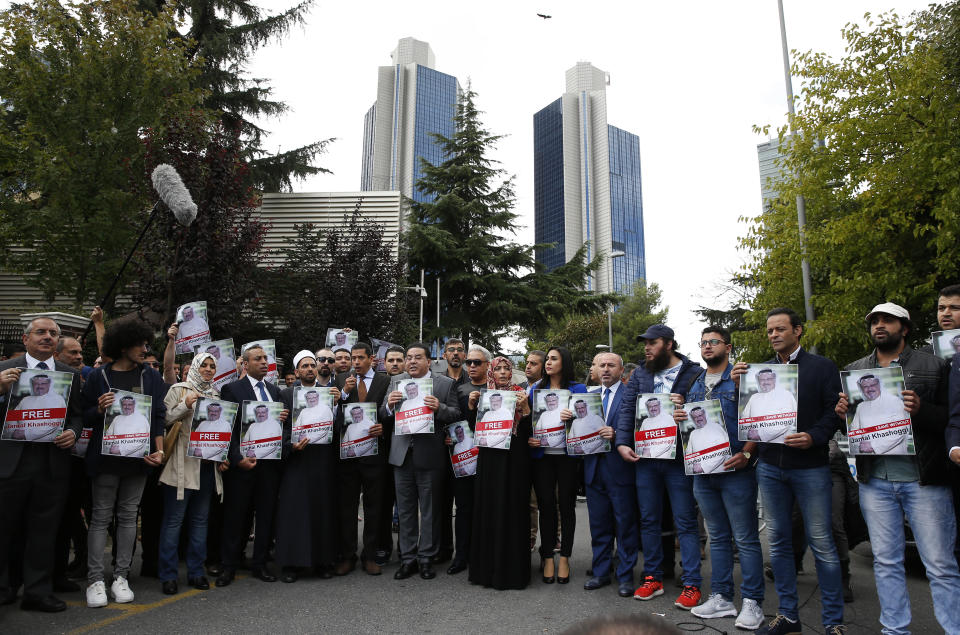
x: 917, y: 486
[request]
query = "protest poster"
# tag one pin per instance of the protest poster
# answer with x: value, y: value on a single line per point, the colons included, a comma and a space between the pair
x: 312, y: 415
x: 380, y: 348
x: 413, y: 416
x: 211, y: 429
x: 655, y: 431
x: 222, y: 351
x: 270, y: 348
x: 463, y: 452
x: 261, y: 435
x: 706, y: 444
x: 194, y: 326
x: 355, y: 438
x: 38, y: 406
x: 583, y: 431
x: 80, y: 447
x: 495, y: 419
x: 341, y: 340
x: 547, y: 425
x: 946, y: 343
x: 126, y: 425
x: 877, y: 421
x: 768, y: 403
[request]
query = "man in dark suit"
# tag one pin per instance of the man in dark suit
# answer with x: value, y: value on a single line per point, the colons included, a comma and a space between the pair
x: 420, y: 462
x: 34, y: 480
x: 369, y: 474
x: 249, y: 482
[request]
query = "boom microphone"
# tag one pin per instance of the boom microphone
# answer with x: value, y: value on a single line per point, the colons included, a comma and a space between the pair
x: 174, y: 193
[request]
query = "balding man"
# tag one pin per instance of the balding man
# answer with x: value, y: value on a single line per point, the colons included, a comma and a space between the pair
x: 70, y: 352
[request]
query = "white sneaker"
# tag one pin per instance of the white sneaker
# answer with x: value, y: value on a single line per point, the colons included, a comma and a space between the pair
x: 97, y: 595
x: 751, y: 615
x: 715, y: 606
x: 121, y: 591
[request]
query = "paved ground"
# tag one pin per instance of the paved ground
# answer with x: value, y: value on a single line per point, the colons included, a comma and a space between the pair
x: 359, y: 603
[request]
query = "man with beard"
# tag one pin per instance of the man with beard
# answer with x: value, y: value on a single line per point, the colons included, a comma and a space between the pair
x: 917, y: 486
x: 192, y: 327
x: 705, y: 434
x: 770, y: 400
x: 324, y: 371
x: 454, y: 354
x: 878, y: 407
x: 585, y: 423
x: 665, y: 371
x: 658, y: 420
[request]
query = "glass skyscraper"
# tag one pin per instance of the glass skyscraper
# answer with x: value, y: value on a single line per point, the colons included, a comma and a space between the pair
x: 587, y: 183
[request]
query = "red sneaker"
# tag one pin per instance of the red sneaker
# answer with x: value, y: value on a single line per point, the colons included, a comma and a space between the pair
x: 689, y: 598
x: 650, y: 589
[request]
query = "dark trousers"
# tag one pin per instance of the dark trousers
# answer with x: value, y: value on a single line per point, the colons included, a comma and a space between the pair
x: 32, y: 503
x: 247, y: 491
x: 353, y: 478
x: 385, y: 533
x: 215, y: 530
x: 446, y: 514
x: 73, y: 527
x: 463, y: 489
x: 151, y: 520
x: 555, y: 482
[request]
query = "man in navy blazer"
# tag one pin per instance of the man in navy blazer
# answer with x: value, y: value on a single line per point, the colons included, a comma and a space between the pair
x: 611, y: 493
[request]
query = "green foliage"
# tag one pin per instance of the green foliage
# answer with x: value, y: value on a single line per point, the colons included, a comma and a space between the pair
x: 639, y: 310
x: 877, y: 158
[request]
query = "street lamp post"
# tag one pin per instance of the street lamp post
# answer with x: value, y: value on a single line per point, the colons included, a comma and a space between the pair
x: 423, y: 294
x: 613, y: 255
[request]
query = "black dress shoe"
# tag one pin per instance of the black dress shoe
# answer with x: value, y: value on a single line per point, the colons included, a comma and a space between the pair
x: 427, y: 572
x: 199, y: 583
x: 170, y: 587
x: 225, y: 577
x: 406, y: 570
x: 45, y: 604
x: 323, y: 572
x: 288, y: 575
x: 441, y: 557
x: 625, y: 590
x: 593, y: 583
x: 63, y: 585
x: 456, y: 568
x: 262, y: 573
x: 215, y: 570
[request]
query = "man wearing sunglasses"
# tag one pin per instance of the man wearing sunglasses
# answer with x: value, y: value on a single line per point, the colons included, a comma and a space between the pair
x: 325, y: 363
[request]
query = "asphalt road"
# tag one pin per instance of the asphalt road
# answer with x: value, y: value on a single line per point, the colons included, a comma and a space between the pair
x: 359, y: 603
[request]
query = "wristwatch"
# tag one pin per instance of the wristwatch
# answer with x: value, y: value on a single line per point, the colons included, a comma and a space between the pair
x: 745, y: 453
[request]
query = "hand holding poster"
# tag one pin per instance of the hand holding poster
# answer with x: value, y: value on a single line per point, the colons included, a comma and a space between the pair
x: 222, y: 351
x: 270, y: 348
x: 583, y: 432
x: 946, y: 343
x: 126, y: 425
x: 211, y: 429
x: 463, y: 453
x: 877, y: 421
x: 413, y: 416
x: 194, y: 329
x: 495, y: 419
x: 261, y: 435
x: 768, y: 403
x: 312, y: 416
x: 655, y: 431
x: 547, y: 425
x: 706, y: 446
x: 355, y: 438
x: 341, y: 340
x: 38, y: 406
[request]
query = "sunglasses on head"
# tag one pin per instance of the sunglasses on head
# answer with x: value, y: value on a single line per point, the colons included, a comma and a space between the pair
x: 475, y: 362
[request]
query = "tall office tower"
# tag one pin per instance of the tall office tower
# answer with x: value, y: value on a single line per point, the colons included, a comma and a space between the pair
x: 587, y: 182
x: 413, y: 101
x: 768, y: 154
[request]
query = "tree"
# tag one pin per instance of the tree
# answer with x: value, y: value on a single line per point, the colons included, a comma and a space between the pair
x: 79, y: 83
x: 876, y: 155
x: 639, y: 310
x: 487, y: 283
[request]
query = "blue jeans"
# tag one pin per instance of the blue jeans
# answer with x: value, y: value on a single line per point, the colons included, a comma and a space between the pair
x: 195, y: 506
x: 728, y: 503
x: 812, y: 489
x: 653, y: 475
x: 929, y: 510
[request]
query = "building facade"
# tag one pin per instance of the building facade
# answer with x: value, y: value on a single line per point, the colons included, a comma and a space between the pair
x: 587, y: 186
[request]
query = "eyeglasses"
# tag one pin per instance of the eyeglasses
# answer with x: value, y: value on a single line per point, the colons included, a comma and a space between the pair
x: 712, y: 342
x: 475, y: 362
x: 328, y: 360
x: 454, y: 349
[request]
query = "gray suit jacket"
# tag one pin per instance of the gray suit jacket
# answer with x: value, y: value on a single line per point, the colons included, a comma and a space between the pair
x: 427, y: 451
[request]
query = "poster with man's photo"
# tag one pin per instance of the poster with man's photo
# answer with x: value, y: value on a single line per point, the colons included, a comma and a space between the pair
x: 380, y: 348
x: 355, y: 438
x: 261, y: 434
x: 706, y: 444
x: 946, y: 343
x: 768, y: 403
x: 655, y: 431
x: 80, y: 447
x: 38, y: 406
x: 126, y: 425
x: 312, y: 415
x: 413, y: 416
x: 194, y: 327
x: 463, y: 452
x: 211, y: 429
x: 495, y: 419
x: 270, y: 348
x: 583, y: 431
x: 222, y: 351
x: 548, y: 427
x: 341, y: 340
x: 877, y: 420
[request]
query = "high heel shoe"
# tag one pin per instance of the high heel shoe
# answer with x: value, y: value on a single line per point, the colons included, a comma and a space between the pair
x: 563, y: 562
x: 548, y: 578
